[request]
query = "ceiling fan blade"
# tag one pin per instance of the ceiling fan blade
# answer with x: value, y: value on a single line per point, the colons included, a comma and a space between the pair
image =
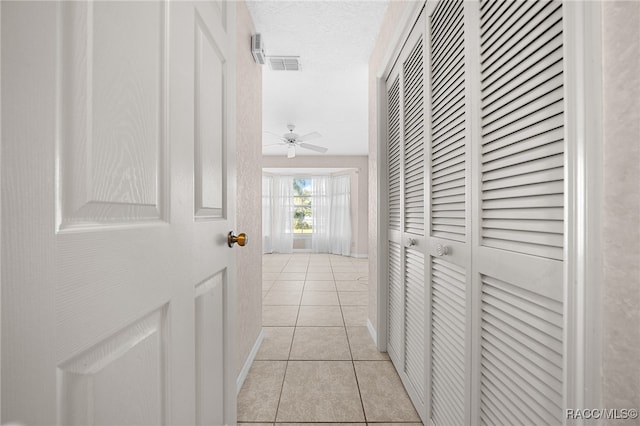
x: 309, y: 136
x: 279, y: 137
x: 274, y: 144
x: 291, y: 152
x: 314, y: 147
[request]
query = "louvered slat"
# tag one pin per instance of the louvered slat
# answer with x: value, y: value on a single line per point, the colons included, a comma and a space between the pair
x: 522, y: 128
x: 520, y: 153
x: 494, y: 10
x: 506, y: 13
x: 448, y: 148
x: 521, y: 355
x: 414, y: 321
x: 520, y: 35
x: 443, y: 12
x: 413, y: 78
x: 393, y: 154
x: 396, y: 299
x: 448, y: 314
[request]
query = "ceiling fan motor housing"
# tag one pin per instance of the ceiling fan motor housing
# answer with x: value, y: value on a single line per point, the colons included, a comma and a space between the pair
x: 291, y: 137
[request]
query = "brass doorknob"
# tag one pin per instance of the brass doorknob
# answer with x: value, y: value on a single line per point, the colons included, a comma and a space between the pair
x: 241, y: 239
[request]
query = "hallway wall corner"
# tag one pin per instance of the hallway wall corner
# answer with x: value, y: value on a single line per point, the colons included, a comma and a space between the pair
x: 249, y: 195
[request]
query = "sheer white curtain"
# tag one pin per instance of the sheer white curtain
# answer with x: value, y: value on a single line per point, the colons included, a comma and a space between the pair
x: 321, y: 214
x: 282, y: 219
x: 331, y: 207
x: 267, y: 218
x: 340, y: 215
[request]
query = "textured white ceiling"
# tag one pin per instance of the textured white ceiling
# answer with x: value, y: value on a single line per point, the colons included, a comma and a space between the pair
x: 333, y: 40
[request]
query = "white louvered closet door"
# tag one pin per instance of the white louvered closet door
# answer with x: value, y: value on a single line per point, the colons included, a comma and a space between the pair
x: 406, y: 227
x: 489, y: 262
x: 519, y: 214
x: 449, y: 204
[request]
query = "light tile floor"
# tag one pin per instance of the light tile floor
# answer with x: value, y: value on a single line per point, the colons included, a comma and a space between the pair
x: 318, y: 363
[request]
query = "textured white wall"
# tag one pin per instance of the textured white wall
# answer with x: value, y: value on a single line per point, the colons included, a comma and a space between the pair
x: 249, y: 187
x: 358, y: 188
x: 621, y: 209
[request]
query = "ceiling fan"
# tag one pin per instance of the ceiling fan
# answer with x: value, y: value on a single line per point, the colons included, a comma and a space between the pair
x: 293, y: 140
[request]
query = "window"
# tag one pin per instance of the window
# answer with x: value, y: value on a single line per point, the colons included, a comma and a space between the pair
x: 302, y: 209
x: 307, y: 213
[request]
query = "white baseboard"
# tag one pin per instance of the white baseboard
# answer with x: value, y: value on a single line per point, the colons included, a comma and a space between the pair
x: 360, y: 256
x: 372, y: 332
x: 249, y: 362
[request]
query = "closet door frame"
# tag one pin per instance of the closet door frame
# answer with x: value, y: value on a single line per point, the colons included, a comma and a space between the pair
x: 583, y: 196
x: 584, y: 201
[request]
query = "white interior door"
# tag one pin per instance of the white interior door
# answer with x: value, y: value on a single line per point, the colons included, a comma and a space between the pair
x: 118, y: 176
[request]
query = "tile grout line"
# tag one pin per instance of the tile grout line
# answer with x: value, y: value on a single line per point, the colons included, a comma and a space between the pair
x: 286, y: 368
x: 353, y: 364
x: 293, y: 336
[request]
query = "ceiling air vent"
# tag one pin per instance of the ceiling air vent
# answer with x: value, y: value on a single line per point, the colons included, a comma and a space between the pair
x: 284, y: 63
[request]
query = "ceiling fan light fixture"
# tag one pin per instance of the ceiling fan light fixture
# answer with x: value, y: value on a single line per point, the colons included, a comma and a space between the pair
x: 291, y: 151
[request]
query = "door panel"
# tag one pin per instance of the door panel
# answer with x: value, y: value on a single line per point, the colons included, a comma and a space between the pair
x: 413, y: 90
x: 102, y: 180
x: 114, y: 298
x: 521, y: 351
x: 98, y: 385
x: 413, y: 120
x: 448, y: 336
x: 414, y: 320
x: 450, y: 212
x: 406, y: 245
x: 448, y: 143
x: 210, y: 333
x: 396, y: 327
x: 448, y: 127
x: 521, y: 214
x: 394, y: 154
x: 210, y: 129
x: 522, y: 132
x: 396, y: 304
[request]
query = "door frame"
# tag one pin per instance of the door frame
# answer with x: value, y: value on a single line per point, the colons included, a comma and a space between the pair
x: 0, y: 218
x: 583, y: 197
x: 230, y: 337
